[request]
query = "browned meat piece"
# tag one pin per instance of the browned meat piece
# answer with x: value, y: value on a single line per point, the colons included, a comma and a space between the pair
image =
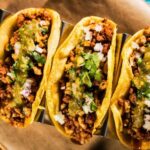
x: 3, y: 70
x: 132, y: 98
x: 103, y: 85
x: 66, y: 99
x: 100, y: 38
x: 20, y: 20
x: 106, y: 48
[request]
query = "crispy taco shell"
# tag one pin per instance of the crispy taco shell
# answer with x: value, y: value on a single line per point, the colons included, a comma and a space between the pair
x: 6, y: 30
x: 121, y: 92
x: 60, y: 58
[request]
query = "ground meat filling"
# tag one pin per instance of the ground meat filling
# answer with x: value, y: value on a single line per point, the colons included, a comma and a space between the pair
x: 21, y: 70
x: 84, y: 81
x: 136, y: 105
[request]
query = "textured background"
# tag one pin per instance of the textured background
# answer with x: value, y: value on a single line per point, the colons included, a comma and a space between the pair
x: 130, y: 15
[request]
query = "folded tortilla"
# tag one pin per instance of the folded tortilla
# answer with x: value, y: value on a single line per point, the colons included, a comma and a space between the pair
x: 41, y: 56
x: 62, y: 57
x: 129, y: 103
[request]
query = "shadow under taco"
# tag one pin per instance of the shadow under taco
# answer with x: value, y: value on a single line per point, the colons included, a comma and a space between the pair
x: 28, y: 39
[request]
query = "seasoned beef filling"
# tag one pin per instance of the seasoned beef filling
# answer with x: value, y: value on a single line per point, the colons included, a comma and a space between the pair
x: 136, y: 105
x: 21, y: 70
x: 84, y: 81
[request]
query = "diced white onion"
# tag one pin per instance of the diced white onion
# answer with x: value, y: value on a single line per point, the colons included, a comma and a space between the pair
x: 86, y: 29
x: 26, y: 88
x: 17, y: 47
x: 98, y: 47
x: 28, y: 83
x: 86, y: 109
x: 147, y: 103
x: 60, y: 118
x: 25, y: 92
x: 147, y: 117
x: 38, y: 49
x: 148, y: 78
x: 135, y: 45
x: 98, y: 28
x: 88, y: 100
x: 88, y: 34
x: 137, y: 55
x: 147, y: 125
x: 63, y: 88
x: 43, y: 23
x: 101, y: 57
x: 147, y: 110
x: 10, y: 75
x: 147, y: 122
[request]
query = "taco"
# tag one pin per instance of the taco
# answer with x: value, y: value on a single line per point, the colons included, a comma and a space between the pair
x: 82, y: 72
x: 28, y: 39
x: 131, y: 100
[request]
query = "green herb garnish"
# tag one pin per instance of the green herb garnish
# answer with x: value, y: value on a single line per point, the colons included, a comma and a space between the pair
x: 93, y: 106
x: 38, y: 57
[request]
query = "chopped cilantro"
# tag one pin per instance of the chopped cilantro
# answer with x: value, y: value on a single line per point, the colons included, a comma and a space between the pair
x: 96, y: 59
x: 38, y: 57
x: 86, y: 79
x: 44, y: 31
x: 98, y: 75
x: 93, y: 106
x: 144, y: 91
x: 139, y: 61
x: 72, y: 73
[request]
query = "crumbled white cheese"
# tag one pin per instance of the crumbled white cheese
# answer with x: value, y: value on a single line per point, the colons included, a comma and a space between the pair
x: 86, y: 109
x: 135, y: 45
x: 26, y: 88
x: 17, y: 47
x: 43, y: 23
x: 147, y: 122
x: 60, y: 118
x: 98, y: 28
x: 147, y: 103
x: 38, y: 49
x: 98, y: 47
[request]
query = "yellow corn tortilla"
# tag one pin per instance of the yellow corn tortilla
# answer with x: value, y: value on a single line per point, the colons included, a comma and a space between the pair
x: 121, y: 91
x: 60, y: 58
x: 6, y: 30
